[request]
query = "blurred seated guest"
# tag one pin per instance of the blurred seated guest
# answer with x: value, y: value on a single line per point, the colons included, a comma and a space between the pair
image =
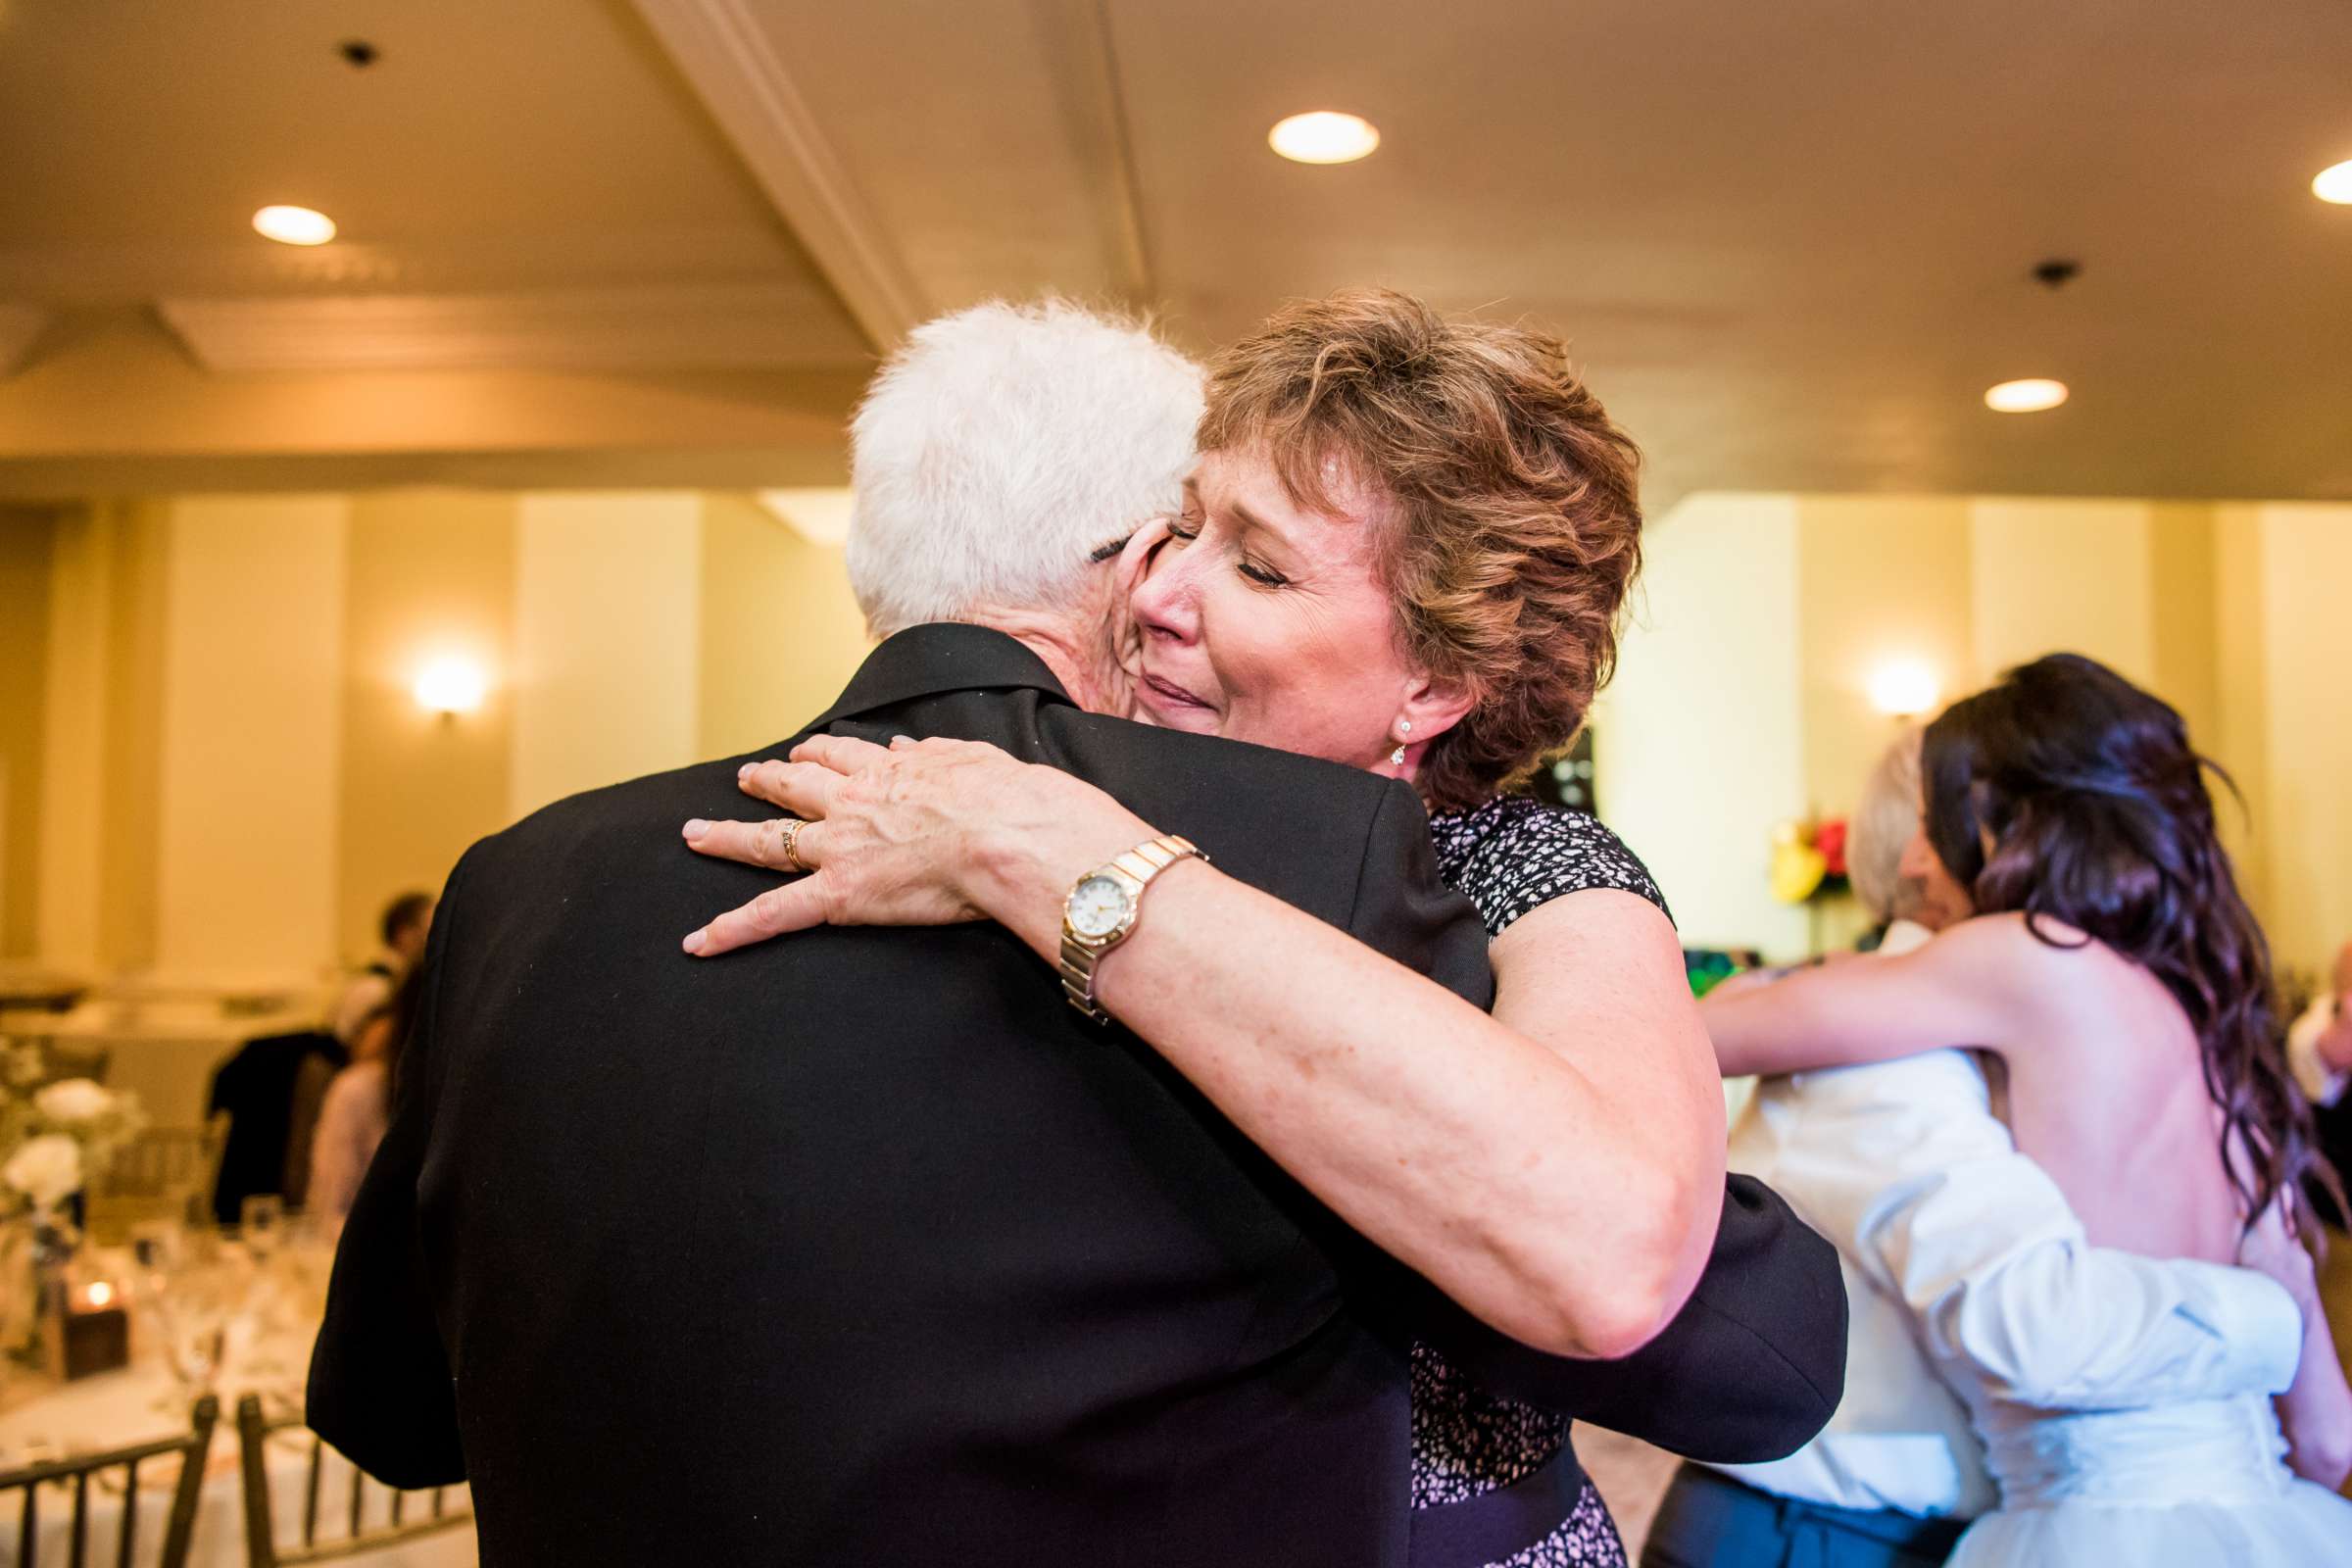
x: 405, y: 923
x: 359, y: 1105
x: 2319, y: 1049
x: 2318, y: 1043
x: 1904, y: 1166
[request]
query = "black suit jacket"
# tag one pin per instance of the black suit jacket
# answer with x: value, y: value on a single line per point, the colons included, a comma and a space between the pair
x: 862, y: 1248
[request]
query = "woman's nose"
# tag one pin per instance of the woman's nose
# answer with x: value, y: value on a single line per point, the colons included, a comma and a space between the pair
x: 1164, y: 601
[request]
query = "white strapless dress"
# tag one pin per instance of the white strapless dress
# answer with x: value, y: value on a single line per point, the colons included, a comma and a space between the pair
x: 2169, y: 1486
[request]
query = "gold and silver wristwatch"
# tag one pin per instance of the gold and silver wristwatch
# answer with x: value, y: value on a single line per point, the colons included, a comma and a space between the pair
x: 1099, y: 914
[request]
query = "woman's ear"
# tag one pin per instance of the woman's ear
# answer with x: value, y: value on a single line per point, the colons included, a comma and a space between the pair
x: 1433, y: 706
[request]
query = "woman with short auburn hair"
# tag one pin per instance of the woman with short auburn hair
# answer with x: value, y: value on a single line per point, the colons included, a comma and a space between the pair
x: 1405, y: 547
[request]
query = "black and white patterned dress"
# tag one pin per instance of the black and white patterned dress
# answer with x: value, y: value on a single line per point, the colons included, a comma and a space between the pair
x: 1508, y: 857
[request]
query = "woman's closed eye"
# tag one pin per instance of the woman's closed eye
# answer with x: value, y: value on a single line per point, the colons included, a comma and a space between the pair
x: 1186, y: 529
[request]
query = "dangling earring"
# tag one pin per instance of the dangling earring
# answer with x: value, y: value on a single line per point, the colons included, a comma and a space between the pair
x: 1404, y: 727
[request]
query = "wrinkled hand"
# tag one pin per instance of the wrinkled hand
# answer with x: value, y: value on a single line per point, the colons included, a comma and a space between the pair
x: 914, y: 833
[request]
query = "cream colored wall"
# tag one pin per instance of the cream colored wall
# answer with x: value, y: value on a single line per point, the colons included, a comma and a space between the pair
x: 2229, y: 612
x: 606, y: 666
x: 234, y: 774
x: 432, y: 575
x: 253, y: 696
x: 2307, y: 668
x: 2241, y: 657
x: 1698, y: 743
x: 24, y: 550
x: 1881, y: 580
x: 101, y: 769
x: 2185, y: 618
x: 2063, y: 576
x: 781, y: 633
x: 80, y: 692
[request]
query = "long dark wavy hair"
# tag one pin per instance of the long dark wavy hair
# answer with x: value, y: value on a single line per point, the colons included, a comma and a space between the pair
x: 2096, y: 809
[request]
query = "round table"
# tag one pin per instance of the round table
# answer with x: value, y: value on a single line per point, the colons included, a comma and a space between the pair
x: 142, y: 1402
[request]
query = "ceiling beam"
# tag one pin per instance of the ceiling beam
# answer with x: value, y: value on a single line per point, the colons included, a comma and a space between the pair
x: 641, y: 327
x: 1085, y: 64
x: 732, y: 63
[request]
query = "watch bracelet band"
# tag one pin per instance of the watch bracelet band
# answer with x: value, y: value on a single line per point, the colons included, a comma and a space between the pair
x: 1136, y: 866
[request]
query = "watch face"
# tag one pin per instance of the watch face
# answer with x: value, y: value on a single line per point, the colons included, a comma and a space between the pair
x: 1097, y: 908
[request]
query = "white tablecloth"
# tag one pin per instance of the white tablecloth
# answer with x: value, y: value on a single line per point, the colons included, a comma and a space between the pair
x: 115, y: 1409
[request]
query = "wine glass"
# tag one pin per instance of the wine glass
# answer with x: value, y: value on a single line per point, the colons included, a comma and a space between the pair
x: 191, y: 1310
x: 262, y: 1225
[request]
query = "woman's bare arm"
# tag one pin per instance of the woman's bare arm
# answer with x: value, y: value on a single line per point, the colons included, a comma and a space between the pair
x: 2316, y: 1410
x: 1961, y: 988
x: 1557, y: 1167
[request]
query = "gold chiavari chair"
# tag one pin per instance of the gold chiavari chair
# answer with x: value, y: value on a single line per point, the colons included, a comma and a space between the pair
x: 164, y: 1173
x: 77, y: 1473
x: 262, y: 1550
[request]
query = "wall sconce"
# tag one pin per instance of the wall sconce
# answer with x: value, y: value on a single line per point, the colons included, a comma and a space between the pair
x: 451, y: 686
x: 1905, y: 688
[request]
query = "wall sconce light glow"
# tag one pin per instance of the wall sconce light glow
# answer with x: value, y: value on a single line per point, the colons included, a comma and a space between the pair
x: 1904, y: 689
x: 451, y: 686
x: 294, y: 225
x: 2335, y: 184
x: 2030, y: 396
x: 1324, y: 136
x: 99, y: 1293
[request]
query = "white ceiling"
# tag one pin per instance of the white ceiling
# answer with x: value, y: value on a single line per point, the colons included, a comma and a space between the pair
x: 1791, y: 243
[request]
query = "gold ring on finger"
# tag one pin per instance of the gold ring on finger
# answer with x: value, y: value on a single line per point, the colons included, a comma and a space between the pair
x: 788, y: 849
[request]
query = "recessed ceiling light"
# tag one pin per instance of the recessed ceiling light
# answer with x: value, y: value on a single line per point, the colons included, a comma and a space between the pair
x: 2030, y: 396
x: 1324, y: 136
x: 294, y: 225
x: 2335, y: 184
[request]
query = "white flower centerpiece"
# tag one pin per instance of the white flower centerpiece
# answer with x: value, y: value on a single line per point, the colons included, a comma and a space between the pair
x: 55, y: 1139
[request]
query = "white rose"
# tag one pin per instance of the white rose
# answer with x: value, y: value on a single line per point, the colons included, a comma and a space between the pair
x: 47, y: 1169
x: 72, y: 1100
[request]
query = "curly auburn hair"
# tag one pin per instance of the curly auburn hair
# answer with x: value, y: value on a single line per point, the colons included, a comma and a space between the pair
x: 1510, y: 530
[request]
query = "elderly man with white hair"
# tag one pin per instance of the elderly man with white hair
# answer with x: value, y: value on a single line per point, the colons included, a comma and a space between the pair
x: 866, y: 1247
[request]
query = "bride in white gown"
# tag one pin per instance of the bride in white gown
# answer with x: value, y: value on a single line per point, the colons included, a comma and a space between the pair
x: 2115, y: 973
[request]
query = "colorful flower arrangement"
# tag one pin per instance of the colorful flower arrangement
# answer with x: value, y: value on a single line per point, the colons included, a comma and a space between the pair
x: 1809, y: 859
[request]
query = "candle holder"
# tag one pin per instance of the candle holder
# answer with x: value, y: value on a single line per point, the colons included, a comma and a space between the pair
x: 93, y: 1328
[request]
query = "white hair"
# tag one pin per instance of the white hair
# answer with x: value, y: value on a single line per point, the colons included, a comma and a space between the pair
x: 1883, y: 821
x: 1003, y: 444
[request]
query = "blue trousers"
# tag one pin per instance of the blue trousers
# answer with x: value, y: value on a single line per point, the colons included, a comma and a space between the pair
x: 1708, y: 1520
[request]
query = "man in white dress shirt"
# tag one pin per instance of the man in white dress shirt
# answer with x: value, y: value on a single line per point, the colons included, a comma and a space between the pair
x: 1905, y: 1166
